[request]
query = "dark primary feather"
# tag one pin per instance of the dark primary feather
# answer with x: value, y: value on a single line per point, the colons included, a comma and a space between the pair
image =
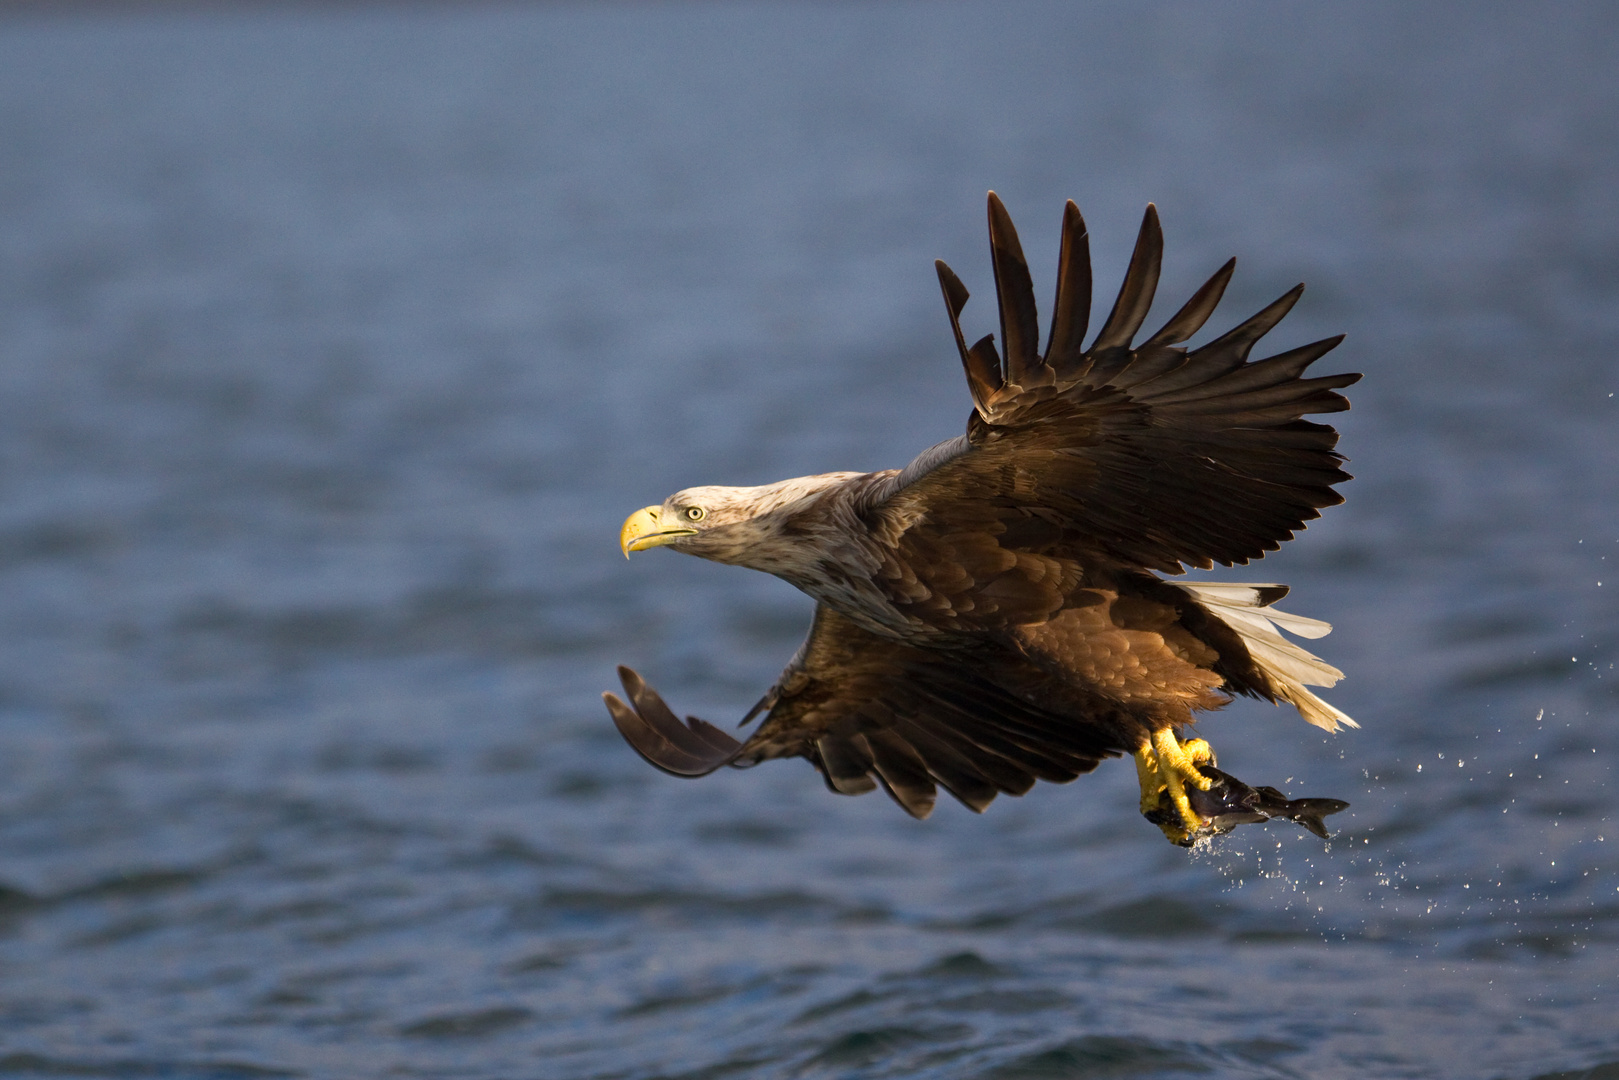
x: 1194, y: 313
x: 1071, y: 311
x: 1020, y: 325
x: 983, y: 372
x: 1140, y: 283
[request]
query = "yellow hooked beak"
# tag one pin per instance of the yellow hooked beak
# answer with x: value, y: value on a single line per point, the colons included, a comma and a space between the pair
x: 643, y: 530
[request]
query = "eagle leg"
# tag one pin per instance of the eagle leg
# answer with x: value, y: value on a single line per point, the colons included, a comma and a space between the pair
x: 1164, y: 766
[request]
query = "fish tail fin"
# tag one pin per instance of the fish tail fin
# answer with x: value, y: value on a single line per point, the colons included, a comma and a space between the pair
x: 1312, y: 813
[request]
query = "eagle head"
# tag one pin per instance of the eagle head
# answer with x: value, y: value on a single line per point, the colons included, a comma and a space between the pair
x: 761, y: 527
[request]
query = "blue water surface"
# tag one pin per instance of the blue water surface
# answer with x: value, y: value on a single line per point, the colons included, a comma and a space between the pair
x: 335, y: 344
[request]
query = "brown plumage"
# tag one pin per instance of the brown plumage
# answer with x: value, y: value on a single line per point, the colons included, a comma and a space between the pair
x: 990, y: 615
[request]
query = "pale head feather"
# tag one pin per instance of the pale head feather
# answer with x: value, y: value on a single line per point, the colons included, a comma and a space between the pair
x: 777, y: 528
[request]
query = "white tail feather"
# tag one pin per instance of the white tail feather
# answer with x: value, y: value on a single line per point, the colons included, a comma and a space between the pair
x: 1288, y: 667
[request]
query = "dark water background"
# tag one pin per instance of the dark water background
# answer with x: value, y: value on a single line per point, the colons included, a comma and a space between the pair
x: 336, y: 345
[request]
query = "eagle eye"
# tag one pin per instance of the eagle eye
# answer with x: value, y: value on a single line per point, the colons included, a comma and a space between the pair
x: 695, y: 513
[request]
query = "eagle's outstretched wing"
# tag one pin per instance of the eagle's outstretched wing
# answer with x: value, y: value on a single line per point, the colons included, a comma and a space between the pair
x: 869, y: 711
x: 1144, y: 456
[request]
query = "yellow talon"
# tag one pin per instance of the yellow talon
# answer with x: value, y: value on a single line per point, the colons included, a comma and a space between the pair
x: 1164, y: 767
x: 1152, y: 787
x: 1200, y: 753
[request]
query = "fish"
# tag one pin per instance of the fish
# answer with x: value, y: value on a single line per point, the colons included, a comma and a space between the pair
x: 1230, y: 802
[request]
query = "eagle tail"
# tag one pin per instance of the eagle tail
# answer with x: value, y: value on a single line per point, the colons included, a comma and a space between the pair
x: 1288, y: 668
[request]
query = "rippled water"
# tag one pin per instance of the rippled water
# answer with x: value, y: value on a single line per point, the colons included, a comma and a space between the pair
x: 336, y: 346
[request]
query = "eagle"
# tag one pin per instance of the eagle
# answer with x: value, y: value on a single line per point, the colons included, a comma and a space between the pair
x: 998, y: 611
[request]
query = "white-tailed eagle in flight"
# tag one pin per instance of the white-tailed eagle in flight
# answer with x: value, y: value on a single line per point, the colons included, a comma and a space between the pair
x: 992, y: 614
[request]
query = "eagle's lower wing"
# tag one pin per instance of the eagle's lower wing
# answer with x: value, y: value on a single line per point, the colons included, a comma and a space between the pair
x: 1143, y: 456
x: 869, y: 711
x: 692, y: 748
